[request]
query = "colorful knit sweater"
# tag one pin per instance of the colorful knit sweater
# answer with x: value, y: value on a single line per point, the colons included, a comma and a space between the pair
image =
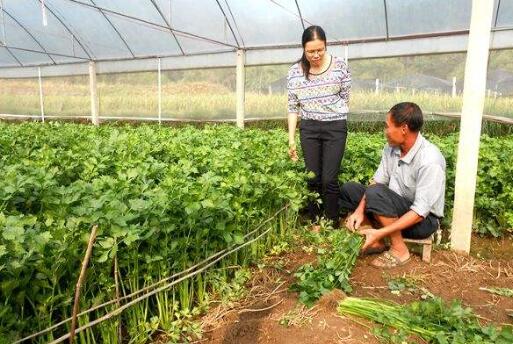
x: 324, y: 97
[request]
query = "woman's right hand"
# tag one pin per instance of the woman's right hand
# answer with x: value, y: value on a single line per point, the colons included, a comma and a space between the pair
x: 293, y: 152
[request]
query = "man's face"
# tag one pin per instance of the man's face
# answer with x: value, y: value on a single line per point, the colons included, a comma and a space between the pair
x: 395, y: 133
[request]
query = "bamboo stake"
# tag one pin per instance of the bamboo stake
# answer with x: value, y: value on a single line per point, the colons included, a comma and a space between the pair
x: 79, y: 283
x: 118, y: 303
x: 118, y: 311
x: 151, y: 286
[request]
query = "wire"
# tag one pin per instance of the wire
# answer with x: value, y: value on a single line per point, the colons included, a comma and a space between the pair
x: 223, y: 253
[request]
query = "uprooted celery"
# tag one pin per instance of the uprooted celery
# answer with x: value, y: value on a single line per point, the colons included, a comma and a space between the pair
x: 499, y: 291
x: 333, y: 269
x: 432, y: 320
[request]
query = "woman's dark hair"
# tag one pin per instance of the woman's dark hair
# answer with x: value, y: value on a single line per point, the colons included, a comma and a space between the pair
x: 409, y: 113
x: 311, y: 33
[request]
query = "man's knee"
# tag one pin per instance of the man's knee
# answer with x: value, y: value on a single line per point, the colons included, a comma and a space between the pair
x: 375, y: 191
x: 350, y: 188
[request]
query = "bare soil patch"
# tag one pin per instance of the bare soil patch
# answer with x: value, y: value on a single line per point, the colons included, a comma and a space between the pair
x: 271, y: 313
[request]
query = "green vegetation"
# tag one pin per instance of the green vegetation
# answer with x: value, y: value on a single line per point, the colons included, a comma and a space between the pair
x: 198, y: 100
x: 163, y: 199
x: 210, y: 93
x: 332, y: 270
x: 432, y: 320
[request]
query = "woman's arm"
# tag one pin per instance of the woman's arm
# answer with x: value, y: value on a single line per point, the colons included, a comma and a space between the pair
x: 292, y: 121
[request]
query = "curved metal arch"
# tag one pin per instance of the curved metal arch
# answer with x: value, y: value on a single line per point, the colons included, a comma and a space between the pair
x: 497, y: 13
x: 89, y: 55
x: 30, y: 34
x: 13, y: 56
x: 185, y: 34
x: 169, y: 25
x: 47, y: 53
x: 300, y: 15
x: 235, y: 23
x: 386, y: 19
x: 114, y: 27
x: 228, y: 22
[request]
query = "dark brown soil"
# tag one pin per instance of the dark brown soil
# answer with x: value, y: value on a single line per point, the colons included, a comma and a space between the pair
x: 450, y: 276
x: 490, y: 248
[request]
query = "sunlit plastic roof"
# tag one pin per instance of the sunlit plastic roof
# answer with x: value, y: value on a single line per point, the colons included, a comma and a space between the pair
x: 128, y: 35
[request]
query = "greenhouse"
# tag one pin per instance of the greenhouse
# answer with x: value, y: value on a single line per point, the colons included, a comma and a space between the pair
x: 150, y: 195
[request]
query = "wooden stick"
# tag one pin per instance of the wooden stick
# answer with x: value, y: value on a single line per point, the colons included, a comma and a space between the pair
x: 260, y: 309
x: 192, y: 268
x: 116, y: 281
x: 79, y: 283
x: 158, y: 290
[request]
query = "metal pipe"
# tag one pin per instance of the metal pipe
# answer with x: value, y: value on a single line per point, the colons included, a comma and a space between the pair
x: 105, y: 10
x: 67, y: 28
x: 115, y: 29
x: 93, y: 92
x: 227, y: 22
x: 300, y: 15
x: 41, y: 103
x: 235, y: 22
x: 387, y: 32
x: 160, y: 92
x: 240, y: 87
x: 168, y: 23
x: 30, y: 34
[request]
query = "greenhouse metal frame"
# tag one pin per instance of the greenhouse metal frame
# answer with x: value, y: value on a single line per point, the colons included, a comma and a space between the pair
x: 62, y: 36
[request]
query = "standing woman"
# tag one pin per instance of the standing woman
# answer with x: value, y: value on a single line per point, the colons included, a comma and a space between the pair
x: 318, y: 91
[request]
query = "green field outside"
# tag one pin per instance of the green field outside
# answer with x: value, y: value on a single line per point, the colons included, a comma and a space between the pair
x: 199, y: 100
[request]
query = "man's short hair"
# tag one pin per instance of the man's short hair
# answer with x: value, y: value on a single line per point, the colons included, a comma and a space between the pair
x: 409, y: 113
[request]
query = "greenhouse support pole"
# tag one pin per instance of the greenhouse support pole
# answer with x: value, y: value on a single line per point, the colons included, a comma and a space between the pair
x: 377, y: 86
x: 474, y: 91
x: 41, y: 102
x: 453, y: 86
x: 241, y: 82
x: 160, y: 92
x: 94, y: 95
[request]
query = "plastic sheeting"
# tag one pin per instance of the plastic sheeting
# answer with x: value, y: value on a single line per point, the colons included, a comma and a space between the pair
x: 77, y: 31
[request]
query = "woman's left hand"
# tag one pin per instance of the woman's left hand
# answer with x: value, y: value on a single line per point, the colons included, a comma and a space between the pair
x: 293, y: 153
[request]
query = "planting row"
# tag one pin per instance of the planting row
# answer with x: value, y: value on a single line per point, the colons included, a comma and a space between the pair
x: 163, y: 199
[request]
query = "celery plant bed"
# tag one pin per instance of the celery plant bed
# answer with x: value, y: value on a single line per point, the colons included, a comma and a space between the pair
x: 163, y: 200
x: 333, y: 268
x: 434, y: 321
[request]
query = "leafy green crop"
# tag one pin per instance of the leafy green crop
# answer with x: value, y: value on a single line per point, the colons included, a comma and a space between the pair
x: 163, y: 200
x: 333, y: 268
x: 433, y: 320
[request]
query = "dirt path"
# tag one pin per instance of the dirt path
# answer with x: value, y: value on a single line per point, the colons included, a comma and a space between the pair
x: 269, y: 307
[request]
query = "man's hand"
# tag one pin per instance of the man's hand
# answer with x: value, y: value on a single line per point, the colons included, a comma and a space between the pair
x: 371, y: 238
x: 354, y: 221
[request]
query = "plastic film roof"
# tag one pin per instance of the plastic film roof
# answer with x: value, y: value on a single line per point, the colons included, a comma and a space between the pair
x: 128, y: 35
